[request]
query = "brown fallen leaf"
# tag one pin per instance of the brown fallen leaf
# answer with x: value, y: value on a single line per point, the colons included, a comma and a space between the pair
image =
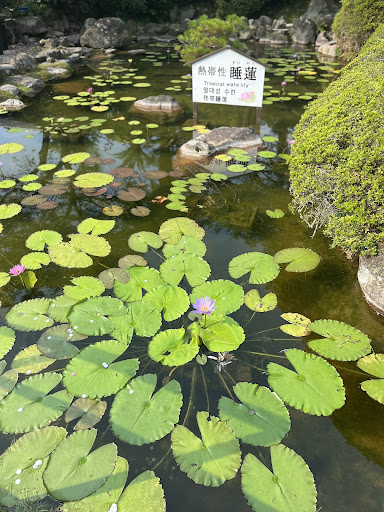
x: 159, y: 199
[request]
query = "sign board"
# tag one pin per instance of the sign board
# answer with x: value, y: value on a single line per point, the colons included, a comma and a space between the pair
x: 228, y: 77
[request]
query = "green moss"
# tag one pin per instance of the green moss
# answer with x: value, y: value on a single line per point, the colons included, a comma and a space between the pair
x: 4, y: 95
x: 356, y: 21
x: 337, y: 163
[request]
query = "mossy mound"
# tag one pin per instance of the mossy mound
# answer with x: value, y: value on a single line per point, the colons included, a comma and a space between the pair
x: 337, y: 164
x: 356, y: 21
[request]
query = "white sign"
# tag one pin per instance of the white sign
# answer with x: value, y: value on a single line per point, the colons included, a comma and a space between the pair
x: 228, y: 77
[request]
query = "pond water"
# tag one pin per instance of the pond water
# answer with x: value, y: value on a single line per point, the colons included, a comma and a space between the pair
x: 345, y: 451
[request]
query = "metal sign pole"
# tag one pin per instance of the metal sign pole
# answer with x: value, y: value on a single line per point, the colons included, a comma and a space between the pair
x: 195, y: 112
x: 258, y: 120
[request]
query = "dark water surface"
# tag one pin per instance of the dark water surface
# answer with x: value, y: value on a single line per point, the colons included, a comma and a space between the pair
x: 344, y: 451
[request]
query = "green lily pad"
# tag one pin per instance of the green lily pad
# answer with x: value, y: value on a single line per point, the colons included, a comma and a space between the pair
x: 29, y: 315
x: 84, y: 287
x: 143, y: 494
x: 374, y: 365
x: 262, y: 267
x: 173, y: 347
x: 298, y: 324
x: 46, y: 167
x: 261, y: 419
x: 91, y: 316
x: 59, y: 308
x: 93, y: 372
x: 110, y: 275
x: 316, y: 388
x: 31, y: 406
x: 10, y: 147
x: 95, y: 227
x: 140, y: 278
x: 23, y: 464
x: 229, y: 296
x: 90, y: 244
x: 92, y: 179
x: 187, y: 245
x: 56, y: 342
x: 270, y: 138
x: 221, y: 334
x: 66, y: 255
x: 90, y: 412
x: 266, y: 154
x: 7, y: 340
x: 254, y: 302
x: 35, y: 260
x: 194, y: 268
x: 289, y: 487
x: 72, y: 472
x: 31, y: 360
x: 4, y: 276
x: 75, y: 158
x: 172, y: 300
x: 8, y: 381
x: 9, y: 210
x: 299, y: 259
x: 7, y: 183
x: 275, y: 214
x: 132, y: 260
x: 218, y: 176
x: 341, y: 342
x: 140, y: 317
x: 151, y: 415
x: 140, y: 241
x: 172, y: 230
x: 38, y: 240
x: 65, y: 173
x: 256, y: 167
x: 211, y: 460
x: 236, y: 168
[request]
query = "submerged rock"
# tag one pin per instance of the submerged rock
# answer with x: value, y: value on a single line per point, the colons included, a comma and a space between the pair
x: 219, y: 139
x: 12, y: 105
x: 159, y: 103
x: 371, y: 280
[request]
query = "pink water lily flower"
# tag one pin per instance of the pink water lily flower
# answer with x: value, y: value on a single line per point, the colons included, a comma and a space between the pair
x: 283, y: 83
x: 204, y: 306
x: 17, y: 270
x: 291, y: 141
x: 89, y: 89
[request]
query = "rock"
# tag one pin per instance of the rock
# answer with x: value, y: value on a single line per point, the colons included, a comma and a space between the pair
x: 322, y: 39
x: 12, y: 105
x: 58, y: 69
x: 319, y: 8
x: 139, y: 51
x: 7, y: 69
x: 12, y: 34
x: 371, y: 280
x: 278, y: 38
x: 245, y: 36
x: 219, y: 139
x: 329, y: 50
x: 327, y: 21
x: 52, y: 42
x: 23, y: 62
x: 45, y: 54
x: 28, y: 85
x: 105, y: 33
x: 304, y: 31
x: 261, y: 32
x: 88, y: 23
x: 281, y: 23
x: 157, y: 103
x: 10, y: 89
x: 31, y: 25
x: 265, y: 21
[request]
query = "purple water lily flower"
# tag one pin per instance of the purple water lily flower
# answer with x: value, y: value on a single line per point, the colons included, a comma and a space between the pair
x: 284, y: 83
x: 17, y: 270
x: 204, y: 306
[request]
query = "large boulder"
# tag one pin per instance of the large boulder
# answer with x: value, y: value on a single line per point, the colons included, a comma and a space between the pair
x: 10, y: 89
x: 161, y: 103
x: 23, y: 62
x: 304, y: 31
x: 371, y: 280
x: 318, y: 9
x: 88, y: 23
x: 106, y: 33
x: 30, y: 25
x: 12, y: 105
x: 28, y: 85
x: 220, y: 139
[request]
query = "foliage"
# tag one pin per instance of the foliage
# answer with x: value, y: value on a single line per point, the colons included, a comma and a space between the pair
x: 248, y: 8
x: 336, y: 165
x: 356, y: 21
x: 205, y: 35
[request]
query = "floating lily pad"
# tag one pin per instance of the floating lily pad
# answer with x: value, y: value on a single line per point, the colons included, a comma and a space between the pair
x: 89, y: 411
x: 113, y: 211
x: 289, y: 487
x: 38, y: 240
x: 172, y: 300
x: 32, y: 200
x: 221, y: 334
x: 261, y: 266
x: 254, y: 302
x: 9, y: 210
x: 91, y: 316
x: 275, y: 214
x: 131, y: 194
x: 59, y: 308
x: 140, y: 241
x: 47, y: 205
x: 95, y: 226
x: 122, y: 172
x: 10, y: 147
x: 76, y: 158
x: 140, y: 317
x: 261, y: 419
x: 31, y: 360
x: 56, y: 342
x: 236, y: 168
x: 173, y: 347
x: 65, y: 173
x: 34, y: 260
x: 172, y: 230
x: 297, y: 326
x: 341, y: 342
x: 194, y: 268
x: 187, y: 245
x: 299, y: 259
x: 94, y: 373
x: 266, y: 154
x: 211, y: 460
x: 132, y: 260
x: 140, y: 211
x: 7, y: 340
x: 374, y: 365
x: 229, y: 296
x: 143, y: 494
x: 108, y: 276
x: 316, y: 388
x: 28, y: 458
x: 151, y: 415
x: 4, y: 278
x: 29, y: 315
x: 84, y: 287
x: 92, y: 179
x: 30, y: 405
x: 256, y: 167
x: 270, y: 138
x: 32, y: 187
x: 56, y: 189
x: 66, y: 255
x: 73, y: 472
x: 7, y: 183
x: 140, y: 278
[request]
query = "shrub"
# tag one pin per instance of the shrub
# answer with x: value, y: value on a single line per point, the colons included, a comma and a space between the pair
x: 205, y: 35
x: 356, y: 21
x: 337, y: 163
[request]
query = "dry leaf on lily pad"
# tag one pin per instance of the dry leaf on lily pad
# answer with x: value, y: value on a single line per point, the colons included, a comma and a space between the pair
x: 122, y: 172
x: 155, y: 175
x: 131, y: 194
x: 89, y: 411
x: 93, y: 192
x: 53, y: 190
x: 113, y: 211
x: 140, y: 211
x: 47, y: 205
x: 33, y: 200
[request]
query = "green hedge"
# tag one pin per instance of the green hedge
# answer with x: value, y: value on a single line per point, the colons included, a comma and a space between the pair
x: 356, y: 21
x: 337, y: 163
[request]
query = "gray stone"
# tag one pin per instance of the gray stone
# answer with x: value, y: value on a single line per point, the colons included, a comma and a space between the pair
x: 281, y: 23
x: 33, y: 85
x: 278, y: 38
x: 58, y: 73
x: 105, y: 33
x: 219, y: 139
x: 319, y: 8
x: 371, y: 280
x: 12, y: 105
x: 45, y: 54
x: 329, y: 50
x: 11, y: 30
x: 31, y: 25
x: 304, y: 31
x: 88, y: 23
x: 11, y: 89
x: 23, y: 62
x: 265, y: 21
x: 322, y: 39
x: 245, y: 36
x: 7, y: 69
x: 261, y: 32
x: 157, y: 103
x: 139, y: 51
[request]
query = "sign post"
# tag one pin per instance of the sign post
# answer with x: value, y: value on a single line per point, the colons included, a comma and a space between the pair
x: 228, y: 77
